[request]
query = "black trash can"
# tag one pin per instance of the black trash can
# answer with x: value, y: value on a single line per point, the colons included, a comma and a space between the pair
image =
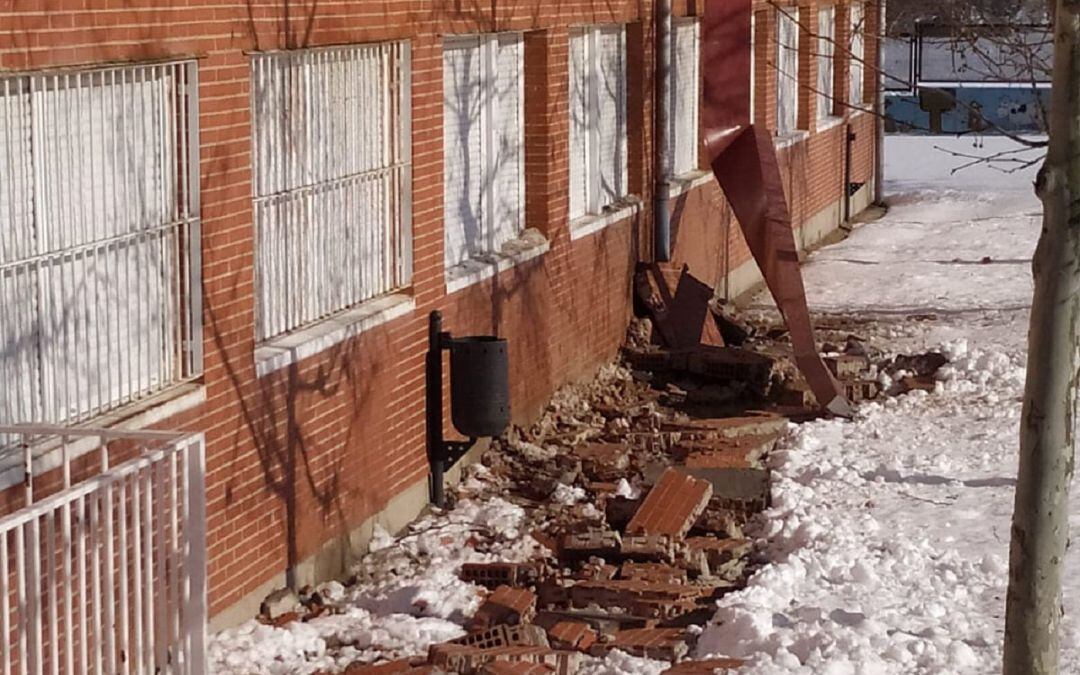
x: 479, y: 385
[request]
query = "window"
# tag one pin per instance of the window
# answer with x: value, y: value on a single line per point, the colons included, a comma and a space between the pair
x: 682, y: 118
x: 826, y: 66
x: 99, y: 223
x: 483, y: 138
x: 787, y: 76
x: 330, y: 130
x: 598, y: 176
x: 858, y: 32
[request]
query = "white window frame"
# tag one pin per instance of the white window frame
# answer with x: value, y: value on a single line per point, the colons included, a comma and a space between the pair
x: 683, y: 103
x: 331, y: 183
x: 826, y: 62
x: 857, y: 32
x: 101, y: 287
x: 787, y: 70
x: 498, y: 229
x: 587, y: 154
x: 753, y: 66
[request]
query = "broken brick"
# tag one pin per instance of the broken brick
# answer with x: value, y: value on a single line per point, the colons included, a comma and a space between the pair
x: 505, y: 606
x: 727, y: 364
x: 740, y: 452
x: 663, y: 609
x: 648, y: 547
x: 468, y: 660
x: 503, y: 667
x: 645, y: 571
x: 552, y: 593
x: 722, y: 521
x: 594, y: 571
x: 590, y: 544
x: 726, y: 427
x: 719, y: 552
x: 493, y: 575
x: 704, y: 667
x: 572, y: 635
x: 736, y: 489
x: 399, y: 667
x: 847, y: 366
x: 504, y: 636
x: 603, y: 461
x: 672, y: 505
x: 668, y: 644
x: 624, y: 593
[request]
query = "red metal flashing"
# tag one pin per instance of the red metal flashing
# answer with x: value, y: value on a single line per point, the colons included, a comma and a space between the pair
x: 743, y: 159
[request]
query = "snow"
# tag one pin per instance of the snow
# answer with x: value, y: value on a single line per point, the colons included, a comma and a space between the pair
x: 888, y: 535
x: 408, y: 595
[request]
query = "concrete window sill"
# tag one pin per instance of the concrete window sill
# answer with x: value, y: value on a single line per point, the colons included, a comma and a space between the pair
x: 49, y: 453
x: 592, y: 223
x: 829, y: 122
x: 687, y: 182
x: 791, y: 138
x: 530, y: 245
x: 283, y: 351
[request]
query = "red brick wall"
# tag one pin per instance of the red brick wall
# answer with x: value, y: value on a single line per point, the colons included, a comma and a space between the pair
x: 307, y: 453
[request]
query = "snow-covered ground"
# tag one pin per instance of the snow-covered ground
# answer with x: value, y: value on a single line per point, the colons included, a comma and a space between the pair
x: 889, y: 534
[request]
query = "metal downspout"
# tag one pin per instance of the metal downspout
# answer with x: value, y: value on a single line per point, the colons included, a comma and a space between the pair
x: 662, y: 216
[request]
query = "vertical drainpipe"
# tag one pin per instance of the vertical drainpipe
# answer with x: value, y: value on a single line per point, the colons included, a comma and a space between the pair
x: 662, y: 218
x: 879, y: 147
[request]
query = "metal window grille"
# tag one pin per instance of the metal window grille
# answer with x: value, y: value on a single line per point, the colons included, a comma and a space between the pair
x: 483, y: 141
x: 787, y: 76
x: 683, y: 106
x: 99, y: 239
x: 332, y: 180
x: 858, y: 41
x: 826, y: 65
x: 598, y: 151
x: 103, y: 569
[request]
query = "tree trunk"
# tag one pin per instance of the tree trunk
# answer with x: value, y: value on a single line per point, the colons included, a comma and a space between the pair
x: 1040, y: 516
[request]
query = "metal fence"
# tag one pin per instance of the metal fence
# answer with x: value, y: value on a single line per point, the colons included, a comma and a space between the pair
x: 104, y: 566
x: 332, y: 182
x: 99, y: 269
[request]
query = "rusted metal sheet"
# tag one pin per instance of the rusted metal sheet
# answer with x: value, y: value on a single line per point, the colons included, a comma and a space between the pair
x: 743, y: 159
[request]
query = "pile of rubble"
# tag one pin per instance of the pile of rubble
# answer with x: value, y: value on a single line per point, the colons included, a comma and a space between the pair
x: 638, y: 498
x: 642, y: 509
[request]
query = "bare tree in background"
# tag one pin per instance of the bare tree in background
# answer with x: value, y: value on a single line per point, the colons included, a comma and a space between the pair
x: 1040, y: 516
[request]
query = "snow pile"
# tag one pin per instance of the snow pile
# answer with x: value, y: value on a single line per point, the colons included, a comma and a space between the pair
x: 407, y: 596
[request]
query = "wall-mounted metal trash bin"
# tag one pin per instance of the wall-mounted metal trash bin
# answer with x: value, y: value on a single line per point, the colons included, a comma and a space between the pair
x: 479, y: 385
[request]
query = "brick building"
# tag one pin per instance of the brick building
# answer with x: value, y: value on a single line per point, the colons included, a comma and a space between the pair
x: 235, y: 217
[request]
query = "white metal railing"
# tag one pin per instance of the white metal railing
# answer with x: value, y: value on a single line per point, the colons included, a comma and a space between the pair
x: 332, y: 180
x: 99, y: 243
x: 104, y: 565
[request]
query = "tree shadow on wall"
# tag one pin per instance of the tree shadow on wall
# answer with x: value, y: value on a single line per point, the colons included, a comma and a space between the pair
x: 272, y: 413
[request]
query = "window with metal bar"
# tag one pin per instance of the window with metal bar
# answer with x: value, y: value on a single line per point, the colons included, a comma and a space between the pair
x: 682, y: 115
x: 598, y: 172
x: 99, y: 239
x: 787, y: 67
x: 858, y: 41
x: 332, y: 181
x: 483, y: 139
x: 826, y: 66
